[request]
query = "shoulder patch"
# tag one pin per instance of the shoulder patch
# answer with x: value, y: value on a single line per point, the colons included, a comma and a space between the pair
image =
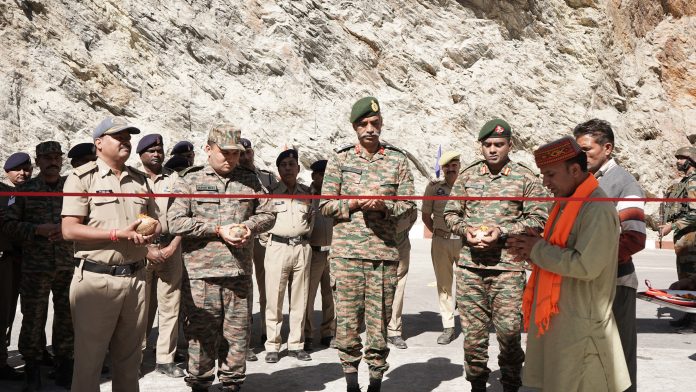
x: 86, y: 168
x: 470, y: 166
x: 190, y: 170
x: 344, y: 147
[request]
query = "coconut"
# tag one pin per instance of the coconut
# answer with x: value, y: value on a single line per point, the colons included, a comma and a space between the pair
x: 237, y: 231
x: 147, y: 225
x: 481, y: 232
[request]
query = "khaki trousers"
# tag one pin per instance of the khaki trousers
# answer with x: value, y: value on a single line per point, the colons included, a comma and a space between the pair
x: 319, y: 274
x: 445, y: 253
x: 286, y: 264
x: 164, y: 290
x: 109, y: 312
x: 259, y: 254
x: 395, y: 325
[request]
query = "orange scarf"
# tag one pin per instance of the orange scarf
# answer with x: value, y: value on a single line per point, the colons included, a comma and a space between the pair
x: 549, y: 283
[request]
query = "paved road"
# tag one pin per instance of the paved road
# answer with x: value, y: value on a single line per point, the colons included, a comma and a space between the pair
x: 666, y: 358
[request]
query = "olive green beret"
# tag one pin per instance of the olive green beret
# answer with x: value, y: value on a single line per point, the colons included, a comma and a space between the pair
x: 364, y: 107
x: 496, y: 127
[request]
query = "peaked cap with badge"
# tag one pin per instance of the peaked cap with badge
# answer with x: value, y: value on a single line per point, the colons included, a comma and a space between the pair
x: 289, y: 153
x: 245, y: 142
x: 182, y: 147
x: 447, y: 157
x: 226, y: 136
x: 496, y: 127
x: 111, y: 125
x: 49, y: 147
x: 15, y: 160
x: 148, y: 141
x: 557, y: 151
x: 364, y: 107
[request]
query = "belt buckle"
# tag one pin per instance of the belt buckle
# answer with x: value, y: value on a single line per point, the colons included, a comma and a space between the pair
x: 294, y: 241
x: 113, y: 270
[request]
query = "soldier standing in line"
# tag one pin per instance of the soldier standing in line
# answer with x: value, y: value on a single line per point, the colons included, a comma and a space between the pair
x: 490, y: 282
x: 681, y: 219
x: 364, y: 253
x: 47, y: 266
x: 18, y: 170
x: 81, y: 154
x: 184, y: 149
x: 288, y: 258
x: 445, y: 246
x: 320, y: 241
x: 108, y: 297
x: 217, y: 289
x: 163, y: 273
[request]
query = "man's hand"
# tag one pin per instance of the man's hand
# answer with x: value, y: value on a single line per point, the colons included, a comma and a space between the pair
x: 471, y: 237
x: 236, y: 242
x: 154, y: 254
x: 168, y: 251
x: 665, y: 229
x: 374, y: 205
x: 683, y: 284
x: 130, y: 234
x: 46, y: 229
x: 520, y: 245
x: 490, y: 237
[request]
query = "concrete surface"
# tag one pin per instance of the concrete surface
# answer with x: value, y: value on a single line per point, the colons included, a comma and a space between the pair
x: 666, y: 357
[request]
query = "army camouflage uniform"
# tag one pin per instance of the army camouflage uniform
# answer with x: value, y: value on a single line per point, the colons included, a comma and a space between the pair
x: 217, y: 289
x: 682, y: 217
x: 364, y: 253
x: 489, y: 282
x: 46, y: 267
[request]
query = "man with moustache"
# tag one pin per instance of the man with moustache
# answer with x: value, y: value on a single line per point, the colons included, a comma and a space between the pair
x: 365, y: 248
x: 288, y: 258
x: 108, y: 297
x: 165, y: 266
x: 489, y: 280
x: 445, y: 245
x: 572, y: 340
x: 47, y: 267
x: 217, y: 231
x: 18, y: 170
x: 596, y: 138
x: 681, y: 220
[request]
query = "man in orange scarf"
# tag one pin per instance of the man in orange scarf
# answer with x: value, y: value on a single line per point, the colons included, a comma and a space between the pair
x: 572, y: 341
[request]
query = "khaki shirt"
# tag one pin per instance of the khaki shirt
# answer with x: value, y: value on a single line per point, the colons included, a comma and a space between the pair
x: 108, y: 212
x: 437, y: 207
x: 323, y: 226
x: 164, y: 183
x: 294, y: 217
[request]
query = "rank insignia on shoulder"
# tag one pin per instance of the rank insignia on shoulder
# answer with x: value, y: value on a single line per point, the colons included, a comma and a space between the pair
x: 207, y: 188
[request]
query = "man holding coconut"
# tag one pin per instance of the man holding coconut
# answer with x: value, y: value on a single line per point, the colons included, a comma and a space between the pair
x: 490, y: 282
x: 216, y: 290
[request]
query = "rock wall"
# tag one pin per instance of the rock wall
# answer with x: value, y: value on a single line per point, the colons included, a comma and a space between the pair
x: 288, y: 71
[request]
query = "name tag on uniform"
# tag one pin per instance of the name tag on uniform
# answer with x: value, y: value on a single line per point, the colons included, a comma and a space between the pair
x: 475, y: 186
x: 278, y: 203
x: 351, y: 169
x: 104, y: 191
x: 208, y: 188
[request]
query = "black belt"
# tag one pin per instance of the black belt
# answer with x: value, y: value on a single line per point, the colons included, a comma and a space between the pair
x: 113, y: 270
x: 289, y: 240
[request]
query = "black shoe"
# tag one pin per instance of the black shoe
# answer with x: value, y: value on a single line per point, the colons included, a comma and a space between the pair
x: 170, y: 369
x: 446, y: 337
x: 32, y: 376
x: 198, y: 384
x: 301, y: 355
x: 308, y: 344
x: 327, y: 340
x: 398, y: 342
x: 231, y: 388
x: 179, y: 357
x: 478, y: 386
x: 251, y: 356
x: 9, y: 373
x: 352, y: 382
x: 47, y: 358
x: 64, y: 372
x: 375, y: 385
x: 271, y: 357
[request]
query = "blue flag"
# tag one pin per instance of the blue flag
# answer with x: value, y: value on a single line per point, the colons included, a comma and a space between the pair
x: 437, y: 161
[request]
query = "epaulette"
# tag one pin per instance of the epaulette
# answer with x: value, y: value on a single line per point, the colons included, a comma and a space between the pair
x: 265, y: 171
x: 86, y: 168
x: 131, y: 168
x: 436, y: 181
x: 304, y: 188
x: 531, y: 171
x: 190, y: 169
x: 393, y: 147
x: 343, y: 148
x: 470, y: 166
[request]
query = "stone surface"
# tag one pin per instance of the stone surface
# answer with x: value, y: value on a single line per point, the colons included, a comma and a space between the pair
x: 288, y: 71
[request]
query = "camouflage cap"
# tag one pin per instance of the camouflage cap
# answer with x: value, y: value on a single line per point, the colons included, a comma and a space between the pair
x: 688, y: 152
x: 364, y: 107
x: 49, y: 147
x: 226, y: 136
x: 111, y: 125
x: 496, y: 127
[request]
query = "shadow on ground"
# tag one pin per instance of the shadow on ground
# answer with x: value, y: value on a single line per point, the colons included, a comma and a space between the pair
x: 296, y: 379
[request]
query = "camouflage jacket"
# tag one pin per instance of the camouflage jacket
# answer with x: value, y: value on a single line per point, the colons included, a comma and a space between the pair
x: 195, y: 219
x: 512, y: 216
x: 24, y: 214
x: 367, y: 235
x: 682, y: 215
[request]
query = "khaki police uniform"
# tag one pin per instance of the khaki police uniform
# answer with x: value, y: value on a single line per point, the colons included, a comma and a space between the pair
x: 444, y: 250
x: 164, y: 279
x: 288, y: 258
x: 403, y: 226
x: 109, y: 305
x: 319, y: 274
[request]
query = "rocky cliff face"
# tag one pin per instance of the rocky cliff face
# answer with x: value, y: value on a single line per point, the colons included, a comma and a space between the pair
x: 288, y: 71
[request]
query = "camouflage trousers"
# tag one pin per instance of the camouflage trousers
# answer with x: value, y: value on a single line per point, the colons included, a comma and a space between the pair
x: 686, y: 255
x: 34, y: 290
x: 485, y: 296
x: 216, y: 313
x: 363, y: 292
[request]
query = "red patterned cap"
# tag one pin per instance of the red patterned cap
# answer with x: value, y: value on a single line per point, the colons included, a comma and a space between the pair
x: 559, y: 150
